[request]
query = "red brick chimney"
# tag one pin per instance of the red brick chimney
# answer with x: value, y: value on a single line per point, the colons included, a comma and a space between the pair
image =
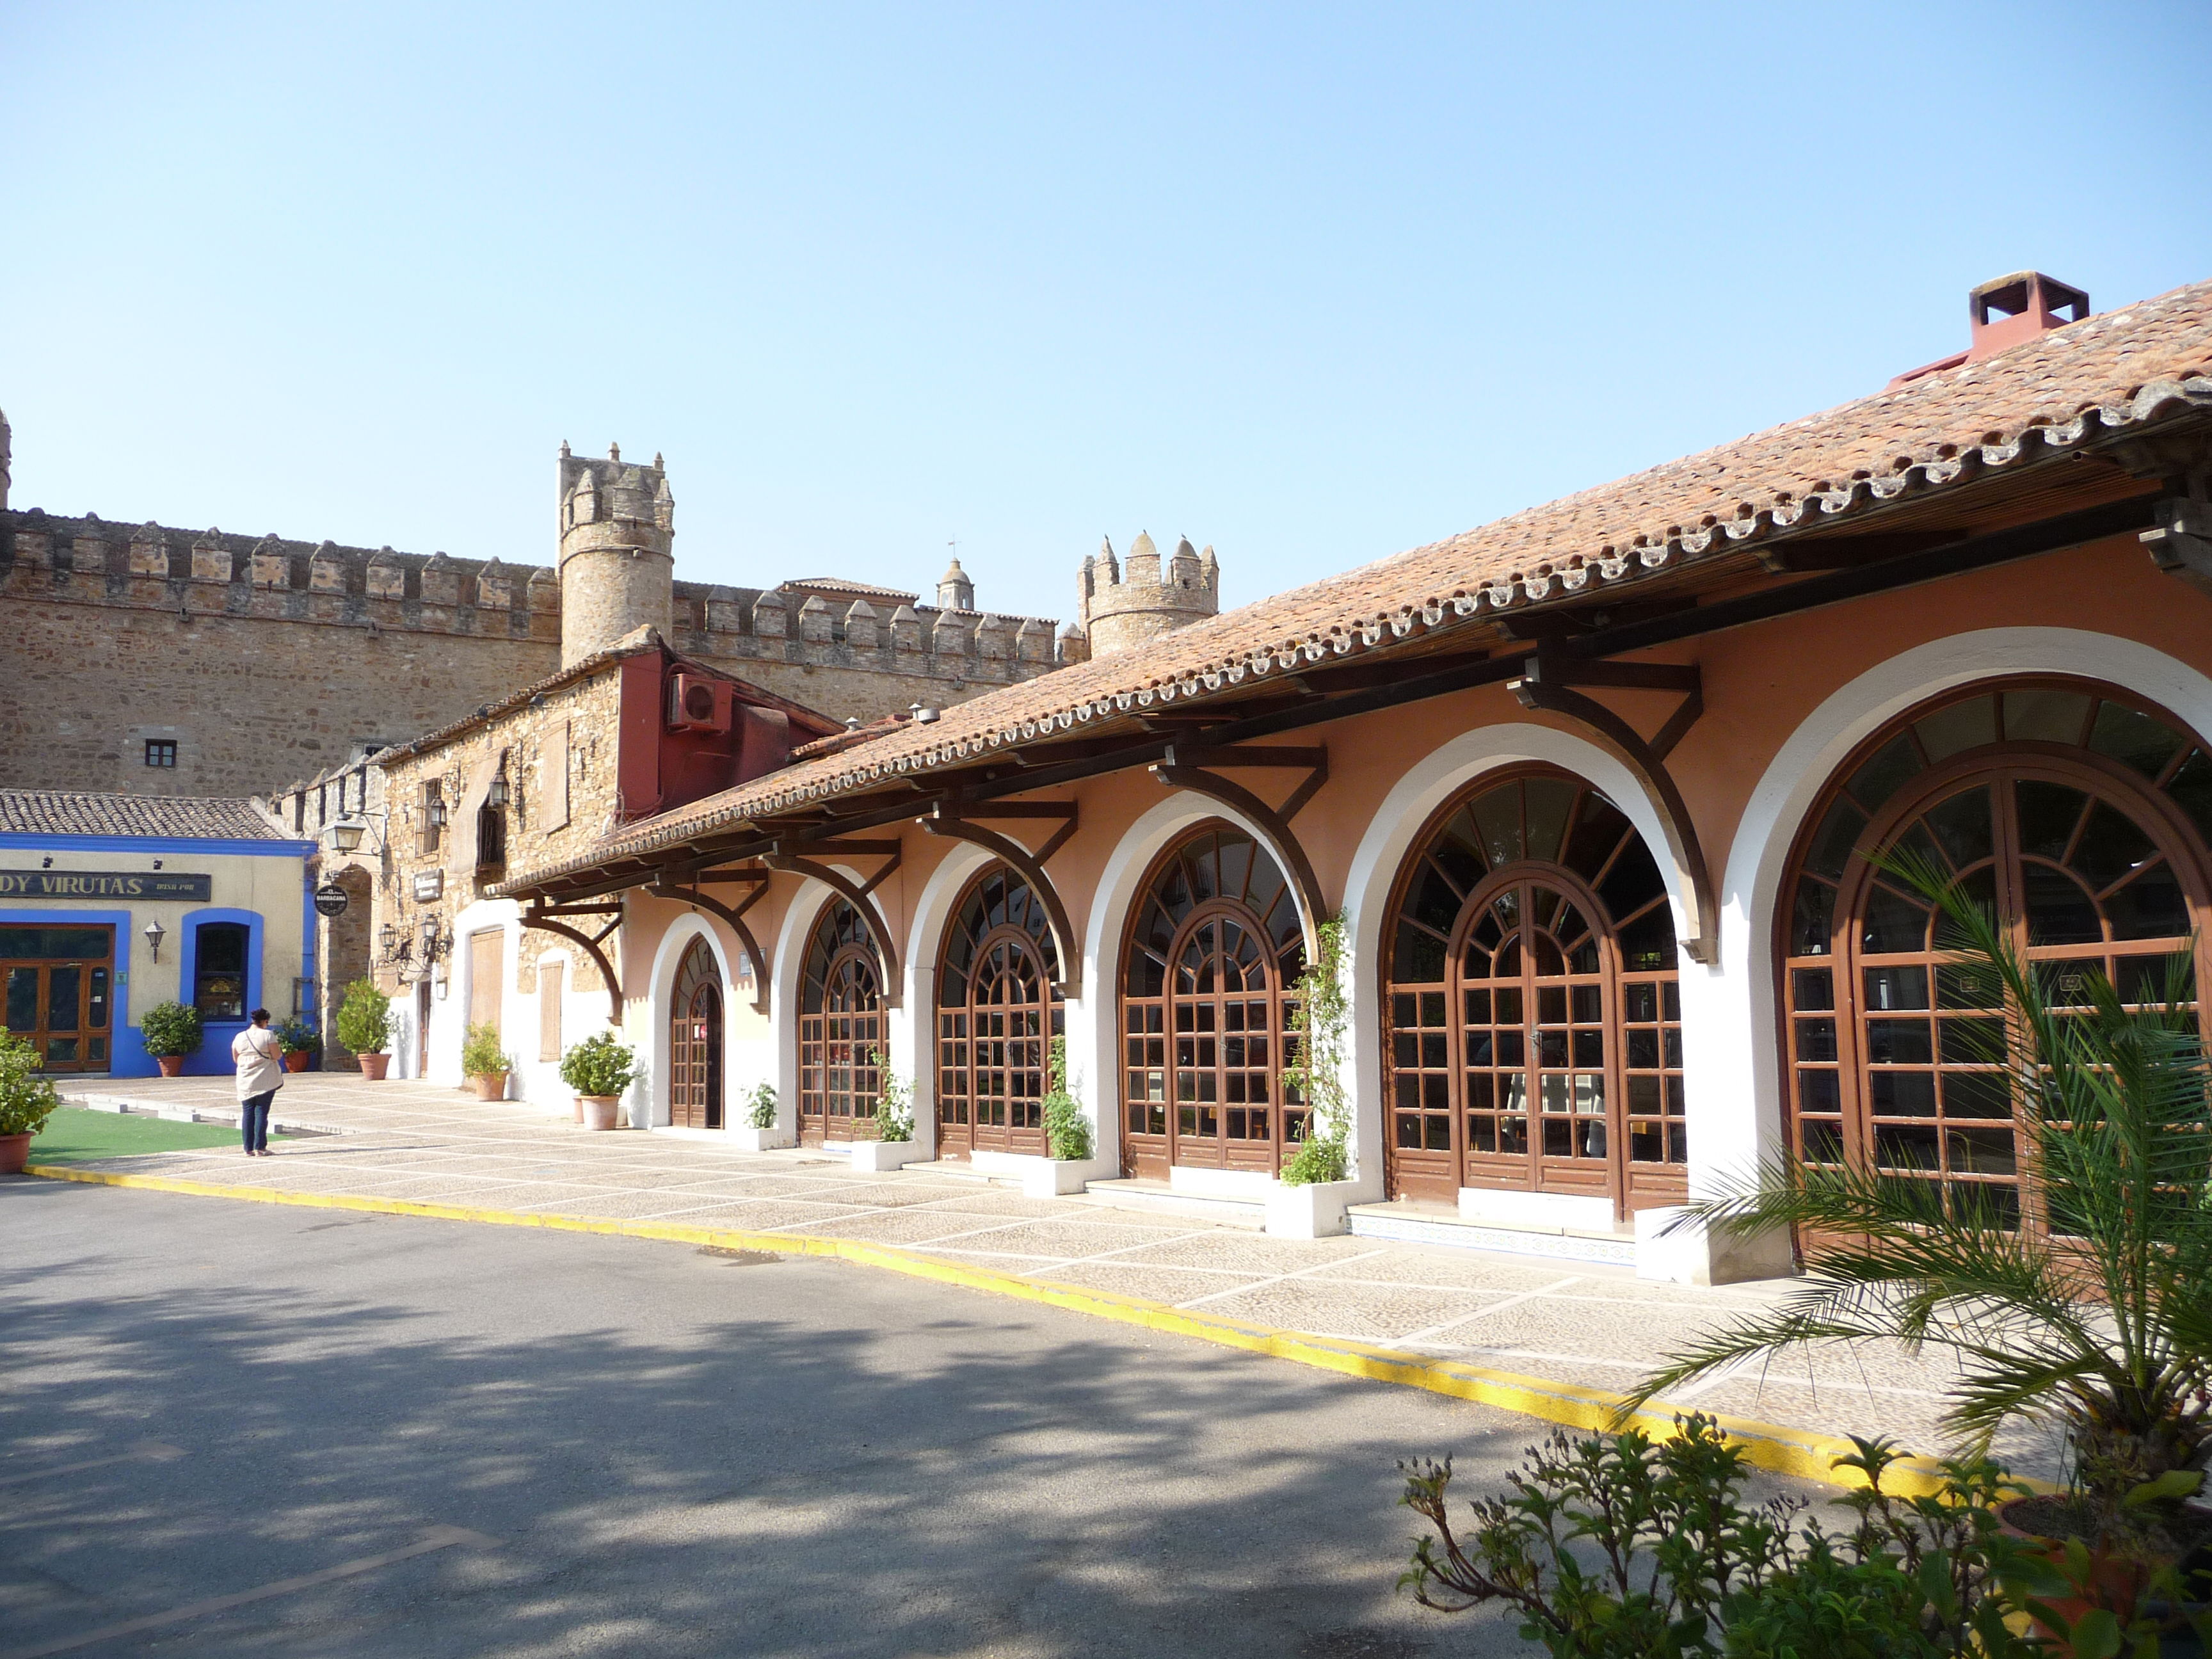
x: 2006, y: 311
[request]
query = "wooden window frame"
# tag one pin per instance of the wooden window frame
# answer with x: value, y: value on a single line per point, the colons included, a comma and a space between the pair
x: 1155, y: 1151
x: 697, y: 1075
x: 1839, y: 1041
x: 838, y: 1078
x: 1434, y: 1048
x: 1010, y: 1118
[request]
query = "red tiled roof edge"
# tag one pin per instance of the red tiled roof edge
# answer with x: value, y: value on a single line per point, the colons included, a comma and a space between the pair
x: 2119, y: 369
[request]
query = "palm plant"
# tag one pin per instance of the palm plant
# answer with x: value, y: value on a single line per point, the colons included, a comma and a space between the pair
x: 2097, y: 1314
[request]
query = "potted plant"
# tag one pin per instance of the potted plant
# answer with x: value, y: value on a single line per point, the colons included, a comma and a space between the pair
x: 598, y: 1069
x: 1315, y: 1185
x: 365, y: 1026
x: 2099, y: 1321
x: 760, y: 1132
x: 893, y: 1146
x: 485, y: 1063
x: 300, y: 1042
x: 1067, y: 1134
x: 171, y: 1031
x: 27, y: 1100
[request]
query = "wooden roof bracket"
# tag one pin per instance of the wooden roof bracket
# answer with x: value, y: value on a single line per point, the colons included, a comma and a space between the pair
x: 857, y: 896
x: 1180, y: 771
x: 1544, y: 684
x: 542, y: 920
x: 948, y: 821
x: 733, y: 917
x: 2180, y: 540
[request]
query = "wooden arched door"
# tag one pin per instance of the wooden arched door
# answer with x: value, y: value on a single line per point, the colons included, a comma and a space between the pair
x: 1210, y: 967
x: 997, y: 1013
x: 2078, y: 816
x: 1534, y: 1014
x: 695, y: 1042
x: 841, y: 1029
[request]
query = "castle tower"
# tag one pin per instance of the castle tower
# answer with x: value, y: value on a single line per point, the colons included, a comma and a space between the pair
x: 618, y: 558
x: 954, y: 591
x: 1124, y: 605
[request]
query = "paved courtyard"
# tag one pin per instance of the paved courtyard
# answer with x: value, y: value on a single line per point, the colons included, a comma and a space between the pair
x: 1595, y: 1326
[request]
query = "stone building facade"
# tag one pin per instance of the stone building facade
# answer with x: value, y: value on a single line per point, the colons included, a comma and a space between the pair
x: 153, y: 660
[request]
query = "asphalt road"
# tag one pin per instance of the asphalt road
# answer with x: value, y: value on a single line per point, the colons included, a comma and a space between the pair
x: 638, y: 1447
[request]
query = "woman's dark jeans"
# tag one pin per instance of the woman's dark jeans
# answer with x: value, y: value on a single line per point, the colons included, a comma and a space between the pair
x: 253, y: 1120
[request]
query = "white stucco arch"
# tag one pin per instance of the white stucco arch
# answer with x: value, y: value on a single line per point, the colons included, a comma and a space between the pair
x: 649, y: 1103
x: 932, y: 914
x: 1802, y: 767
x: 1426, y: 786
x: 1094, y: 1062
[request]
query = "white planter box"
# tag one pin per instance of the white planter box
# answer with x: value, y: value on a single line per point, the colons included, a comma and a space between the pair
x: 1041, y: 1177
x: 750, y: 1140
x: 876, y: 1155
x: 1313, y: 1211
x: 1688, y: 1254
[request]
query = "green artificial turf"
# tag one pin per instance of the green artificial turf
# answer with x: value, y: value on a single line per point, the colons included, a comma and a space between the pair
x: 73, y: 1135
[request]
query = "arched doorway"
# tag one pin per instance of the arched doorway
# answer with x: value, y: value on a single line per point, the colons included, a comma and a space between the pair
x: 997, y: 1013
x: 1210, y: 965
x: 1533, y: 1015
x: 841, y: 1029
x: 695, y: 1040
x: 2079, y: 813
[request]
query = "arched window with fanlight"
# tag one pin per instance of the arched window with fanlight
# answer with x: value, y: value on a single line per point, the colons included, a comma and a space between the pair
x: 1534, y: 1018
x: 2079, y: 815
x: 695, y: 1040
x: 1209, y: 968
x: 841, y: 1029
x: 997, y: 1013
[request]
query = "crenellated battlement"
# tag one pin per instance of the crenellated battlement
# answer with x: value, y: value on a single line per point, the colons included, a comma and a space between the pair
x: 1121, y: 605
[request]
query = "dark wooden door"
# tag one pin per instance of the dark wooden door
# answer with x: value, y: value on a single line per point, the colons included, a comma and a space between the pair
x: 695, y: 1042
x: 60, y: 989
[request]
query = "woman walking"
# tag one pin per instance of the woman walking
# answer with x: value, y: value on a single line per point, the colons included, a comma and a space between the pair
x: 260, y: 1062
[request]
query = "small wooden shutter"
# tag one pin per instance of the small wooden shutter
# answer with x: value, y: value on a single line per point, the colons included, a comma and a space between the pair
x: 485, y: 951
x: 462, y: 859
x: 551, y: 974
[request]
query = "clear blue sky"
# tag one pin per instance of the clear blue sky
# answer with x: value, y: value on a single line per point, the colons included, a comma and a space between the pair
x: 1312, y: 285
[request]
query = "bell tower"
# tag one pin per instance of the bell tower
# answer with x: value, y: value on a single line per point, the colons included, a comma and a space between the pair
x: 617, y: 551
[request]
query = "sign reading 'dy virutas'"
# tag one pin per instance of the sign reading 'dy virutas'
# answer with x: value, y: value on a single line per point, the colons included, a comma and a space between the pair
x: 104, y: 884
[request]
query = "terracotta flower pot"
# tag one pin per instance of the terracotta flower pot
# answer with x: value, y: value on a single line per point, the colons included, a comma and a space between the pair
x: 15, y: 1153
x: 579, y: 1101
x: 490, y: 1085
x: 298, y: 1062
x: 372, y: 1066
x: 598, y: 1110
x: 171, y: 1065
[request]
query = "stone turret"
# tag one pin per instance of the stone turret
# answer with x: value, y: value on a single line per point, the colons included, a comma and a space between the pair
x: 954, y: 591
x: 617, y: 551
x: 1121, y: 605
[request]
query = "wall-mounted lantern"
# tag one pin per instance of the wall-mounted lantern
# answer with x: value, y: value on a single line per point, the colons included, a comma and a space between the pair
x: 155, y: 934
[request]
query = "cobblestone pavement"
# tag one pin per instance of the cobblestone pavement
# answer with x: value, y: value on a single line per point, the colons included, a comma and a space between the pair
x: 1596, y: 1326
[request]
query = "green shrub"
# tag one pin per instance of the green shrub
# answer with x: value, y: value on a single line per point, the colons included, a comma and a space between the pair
x: 481, y: 1055
x: 1315, y: 1073
x: 1067, y: 1131
x: 601, y: 1065
x: 169, y: 1029
x: 27, y: 1100
x: 365, y: 1018
x: 894, y: 1104
x: 1620, y: 1546
x: 760, y: 1106
x: 296, y: 1036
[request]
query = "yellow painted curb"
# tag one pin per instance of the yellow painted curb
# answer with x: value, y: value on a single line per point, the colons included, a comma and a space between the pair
x: 1772, y: 1446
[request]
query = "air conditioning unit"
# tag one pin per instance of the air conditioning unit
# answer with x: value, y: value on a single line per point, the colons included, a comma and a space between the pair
x: 696, y: 703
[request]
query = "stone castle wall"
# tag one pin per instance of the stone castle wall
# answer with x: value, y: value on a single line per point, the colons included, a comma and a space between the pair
x: 265, y: 660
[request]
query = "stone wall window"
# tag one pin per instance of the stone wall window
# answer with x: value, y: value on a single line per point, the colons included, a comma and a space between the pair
x: 161, y: 751
x: 429, y: 818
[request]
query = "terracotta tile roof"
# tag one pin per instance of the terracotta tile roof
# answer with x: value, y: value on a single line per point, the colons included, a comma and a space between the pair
x: 67, y: 812
x: 2100, y: 375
